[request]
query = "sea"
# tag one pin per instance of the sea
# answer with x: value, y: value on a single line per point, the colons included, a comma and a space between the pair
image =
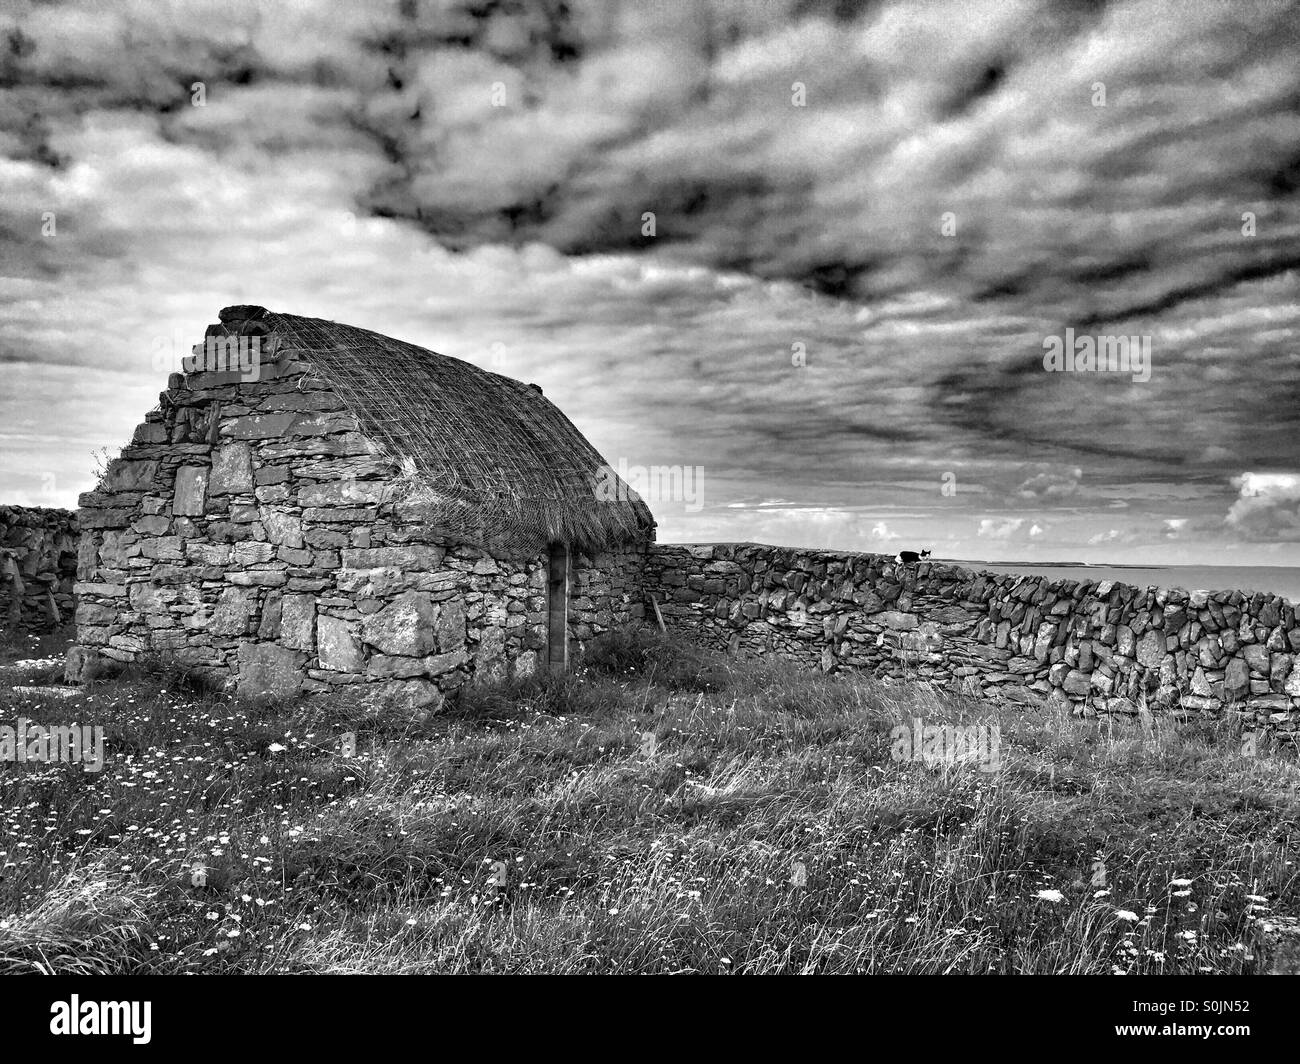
x: 1277, y: 579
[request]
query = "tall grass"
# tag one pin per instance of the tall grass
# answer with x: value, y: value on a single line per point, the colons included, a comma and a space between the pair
x: 662, y: 810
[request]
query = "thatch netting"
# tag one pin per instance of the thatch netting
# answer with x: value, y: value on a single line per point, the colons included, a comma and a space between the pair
x: 494, y: 459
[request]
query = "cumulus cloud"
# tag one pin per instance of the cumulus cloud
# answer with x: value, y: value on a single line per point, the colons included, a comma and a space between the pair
x: 1003, y: 528
x: 1111, y: 535
x: 1049, y: 483
x: 1267, y: 506
x: 880, y: 531
x: 1010, y: 528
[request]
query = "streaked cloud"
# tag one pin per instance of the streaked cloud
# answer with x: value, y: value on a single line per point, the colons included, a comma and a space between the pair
x: 841, y: 311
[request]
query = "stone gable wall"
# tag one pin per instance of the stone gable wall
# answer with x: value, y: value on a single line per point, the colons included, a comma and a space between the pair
x: 1093, y: 646
x: 251, y: 532
x: 38, y: 566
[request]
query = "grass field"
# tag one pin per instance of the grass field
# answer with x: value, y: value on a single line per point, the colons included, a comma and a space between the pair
x: 662, y: 810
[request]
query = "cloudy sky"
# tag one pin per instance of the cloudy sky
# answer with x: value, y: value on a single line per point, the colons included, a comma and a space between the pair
x: 813, y: 249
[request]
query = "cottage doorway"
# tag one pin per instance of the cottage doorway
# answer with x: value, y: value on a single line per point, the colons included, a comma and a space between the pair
x: 557, y: 608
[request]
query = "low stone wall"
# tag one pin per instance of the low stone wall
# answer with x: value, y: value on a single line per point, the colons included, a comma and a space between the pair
x: 1095, y: 646
x: 38, y: 566
x: 604, y: 593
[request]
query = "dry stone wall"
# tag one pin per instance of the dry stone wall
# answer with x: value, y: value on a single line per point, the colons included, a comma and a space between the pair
x: 604, y: 593
x: 1094, y: 646
x: 38, y: 566
x: 250, y: 531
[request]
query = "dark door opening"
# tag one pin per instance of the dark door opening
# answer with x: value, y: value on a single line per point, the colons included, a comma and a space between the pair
x: 557, y: 608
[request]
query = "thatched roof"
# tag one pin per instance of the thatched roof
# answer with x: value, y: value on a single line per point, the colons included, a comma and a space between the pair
x: 497, y: 461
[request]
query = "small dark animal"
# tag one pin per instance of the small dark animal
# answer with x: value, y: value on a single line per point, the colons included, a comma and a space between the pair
x: 910, y: 557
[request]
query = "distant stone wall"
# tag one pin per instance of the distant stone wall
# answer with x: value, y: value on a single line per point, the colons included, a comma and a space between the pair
x: 38, y: 566
x: 1095, y: 646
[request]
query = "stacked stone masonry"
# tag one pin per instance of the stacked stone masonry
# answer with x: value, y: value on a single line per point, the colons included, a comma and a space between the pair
x: 250, y: 531
x: 38, y: 566
x: 604, y: 593
x: 1093, y: 646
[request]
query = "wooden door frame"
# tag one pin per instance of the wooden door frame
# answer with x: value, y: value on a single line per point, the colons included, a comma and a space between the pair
x: 557, y: 607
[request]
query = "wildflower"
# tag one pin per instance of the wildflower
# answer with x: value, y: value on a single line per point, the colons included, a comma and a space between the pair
x: 1125, y: 914
x: 1054, y: 895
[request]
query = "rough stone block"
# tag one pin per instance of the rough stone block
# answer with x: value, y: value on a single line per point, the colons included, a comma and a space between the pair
x: 451, y: 626
x: 233, y: 612
x: 338, y: 645
x: 251, y: 552
x: 896, y: 620
x: 1076, y: 682
x: 405, y: 626
x: 267, y: 669
x: 1151, y: 649
x: 410, y: 558
x: 190, y: 493
x: 258, y: 426
x: 123, y: 475
x: 1236, y: 679
x: 297, y: 620
x: 81, y: 665
x: 411, y: 695
x: 232, y: 470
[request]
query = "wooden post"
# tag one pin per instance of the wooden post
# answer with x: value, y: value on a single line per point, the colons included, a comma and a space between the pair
x: 658, y: 616
x: 557, y: 608
x: 16, y: 590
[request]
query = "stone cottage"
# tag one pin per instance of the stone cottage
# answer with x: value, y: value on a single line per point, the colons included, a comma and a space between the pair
x: 315, y: 506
